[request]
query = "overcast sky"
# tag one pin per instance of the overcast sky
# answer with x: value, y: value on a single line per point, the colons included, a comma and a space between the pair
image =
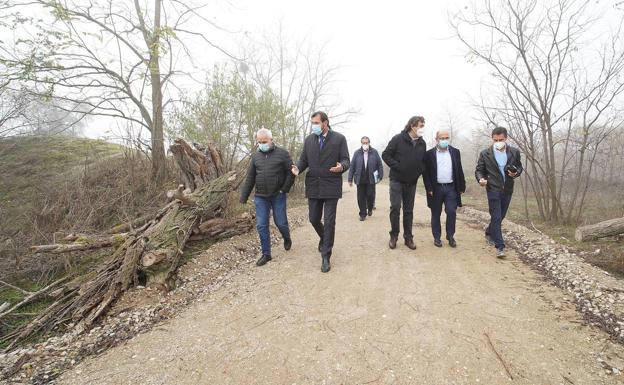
x: 396, y: 56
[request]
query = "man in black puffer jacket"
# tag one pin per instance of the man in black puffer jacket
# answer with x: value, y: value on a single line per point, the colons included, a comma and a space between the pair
x: 405, y: 156
x: 270, y: 171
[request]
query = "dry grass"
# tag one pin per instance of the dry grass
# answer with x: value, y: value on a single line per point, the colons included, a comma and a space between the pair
x: 54, y: 185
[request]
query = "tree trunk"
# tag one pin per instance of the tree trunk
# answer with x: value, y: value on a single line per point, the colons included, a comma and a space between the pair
x: 598, y: 230
x: 159, y: 169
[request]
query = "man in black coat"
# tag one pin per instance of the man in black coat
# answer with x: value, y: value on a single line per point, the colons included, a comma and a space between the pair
x: 326, y: 154
x: 367, y: 170
x: 405, y: 156
x: 269, y: 170
x: 496, y: 170
x: 444, y: 182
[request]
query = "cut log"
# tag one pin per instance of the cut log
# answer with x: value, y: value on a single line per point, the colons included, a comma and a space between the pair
x: 599, y: 230
x: 218, y: 228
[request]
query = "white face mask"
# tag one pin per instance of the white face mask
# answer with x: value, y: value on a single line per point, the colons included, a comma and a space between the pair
x: 499, y: 145
x: 365, y: 147
x: 420, y: 132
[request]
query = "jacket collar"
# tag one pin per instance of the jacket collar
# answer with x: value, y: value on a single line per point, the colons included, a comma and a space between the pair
x: 408, y: 138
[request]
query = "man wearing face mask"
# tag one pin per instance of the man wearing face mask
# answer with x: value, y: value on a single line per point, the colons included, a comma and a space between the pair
x: 444, y: 182
x: 367, y: 170
x: 326, y: 154
x: 269, y: 171
x: 405, y: 156
x: 496, y: 170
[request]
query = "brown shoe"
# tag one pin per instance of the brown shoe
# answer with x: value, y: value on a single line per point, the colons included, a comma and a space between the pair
x: 410, y: 243
x: 393, y: 242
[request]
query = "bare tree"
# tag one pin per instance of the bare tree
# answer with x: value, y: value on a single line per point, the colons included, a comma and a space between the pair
x: 298, y: 74
x: 554, y: 87
x: 104, y: 58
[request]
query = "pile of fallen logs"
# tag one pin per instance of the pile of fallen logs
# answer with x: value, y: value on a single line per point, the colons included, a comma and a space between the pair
x: 146, y: 251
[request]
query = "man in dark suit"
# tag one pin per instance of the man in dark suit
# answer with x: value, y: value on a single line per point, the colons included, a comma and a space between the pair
x: 444, y: 182
x: 405, y: 155
x: 496, y: 170
x: 326, y: 154
x: 367, y: 170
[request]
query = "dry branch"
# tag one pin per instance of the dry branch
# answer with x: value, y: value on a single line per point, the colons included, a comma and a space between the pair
x: 81, y: 243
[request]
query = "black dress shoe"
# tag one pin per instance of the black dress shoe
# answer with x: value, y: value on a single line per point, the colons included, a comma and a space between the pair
x: 393, y: 242
x: 437, y: 242
x: 410, y: 243
x: 263, y: 260
x: 320, y: 246
x: 362, y: 218
x: 452, y: 242
x: 370, y: 213
x: 287, y: 244
x: 325, y: 266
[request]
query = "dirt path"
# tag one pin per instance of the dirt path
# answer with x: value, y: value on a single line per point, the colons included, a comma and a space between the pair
x: 430, y: 316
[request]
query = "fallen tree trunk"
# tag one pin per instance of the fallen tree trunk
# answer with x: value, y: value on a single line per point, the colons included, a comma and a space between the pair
x: 598, y: 230
x: 151, y: 253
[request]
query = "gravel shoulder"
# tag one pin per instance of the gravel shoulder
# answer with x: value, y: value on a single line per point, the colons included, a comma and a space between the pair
x: 443, y: 316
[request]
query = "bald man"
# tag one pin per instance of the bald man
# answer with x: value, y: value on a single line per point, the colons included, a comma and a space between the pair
x: 445, y: 183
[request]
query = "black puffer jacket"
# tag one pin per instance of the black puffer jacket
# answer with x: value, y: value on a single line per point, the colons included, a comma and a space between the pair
x: 487, y: 168
x: 320, y: 183
x: 269, y: 172
x: 405, y: 158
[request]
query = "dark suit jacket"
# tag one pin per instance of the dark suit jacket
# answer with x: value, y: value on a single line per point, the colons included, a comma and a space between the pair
x: 320, y: 183
x: 357, y: 166
x: 431, y: 173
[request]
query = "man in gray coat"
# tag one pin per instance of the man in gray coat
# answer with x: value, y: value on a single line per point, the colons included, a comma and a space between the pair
x: 326, y: 155
x: 367, y: 170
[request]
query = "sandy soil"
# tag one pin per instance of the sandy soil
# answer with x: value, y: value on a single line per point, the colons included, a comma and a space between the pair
x: 429, y: 316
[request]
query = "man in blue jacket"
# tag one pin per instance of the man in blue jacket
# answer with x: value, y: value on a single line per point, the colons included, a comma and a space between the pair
x: 444, y: 182
x: 367, y: 170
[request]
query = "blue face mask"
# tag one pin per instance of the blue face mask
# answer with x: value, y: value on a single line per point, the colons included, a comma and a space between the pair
x: 443, y: 143
x: 264, y: 147
x: 316, y: 129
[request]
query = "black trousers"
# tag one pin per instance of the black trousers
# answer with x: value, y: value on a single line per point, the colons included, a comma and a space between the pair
x: 402, y: 193
x: 365, y: 197
x: 322, y: 215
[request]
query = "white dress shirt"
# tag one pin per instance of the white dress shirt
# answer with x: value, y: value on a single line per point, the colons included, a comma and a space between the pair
x: 445, y: 166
